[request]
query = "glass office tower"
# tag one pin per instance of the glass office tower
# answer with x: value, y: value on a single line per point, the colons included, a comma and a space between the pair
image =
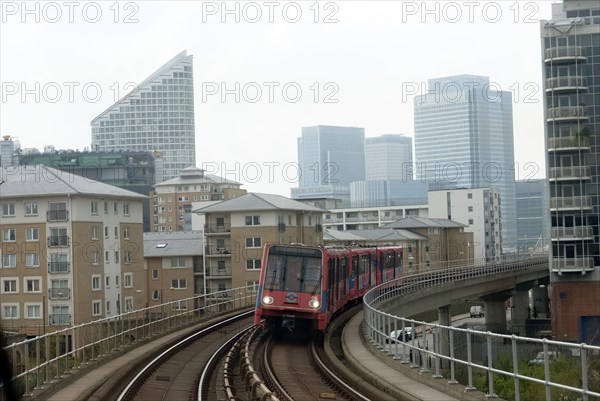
x: 157, y: 116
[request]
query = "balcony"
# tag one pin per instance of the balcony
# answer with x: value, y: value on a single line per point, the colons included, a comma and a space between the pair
x: 59, y: 293
x: 58, y: 267
x: 60, y: 319
x: 567, y: 114
x: 568, y: 144
x: 563, y: 55
x: 572, y: 265
x: 58, y: 240
x: 217, y: 229
x: 571, y: 203
x: 57, y: 215
x: 214, y: 250
x: 573, y: 173
x: 572, y: 233
x: 218, y: 272
x: 566, y: 84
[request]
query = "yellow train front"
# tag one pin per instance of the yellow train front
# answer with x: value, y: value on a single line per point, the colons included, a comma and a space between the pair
x: 302, y: 287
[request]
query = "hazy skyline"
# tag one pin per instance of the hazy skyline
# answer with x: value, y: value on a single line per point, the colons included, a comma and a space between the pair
x: 359, y: 65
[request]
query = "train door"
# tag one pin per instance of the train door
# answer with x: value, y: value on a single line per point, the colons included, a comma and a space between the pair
x: 352, y: 279
x: 331, y: 287
x: 373, y: 269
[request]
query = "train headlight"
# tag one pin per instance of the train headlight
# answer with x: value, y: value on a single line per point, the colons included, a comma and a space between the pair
x: 267, y: 300
x: 314, y: 303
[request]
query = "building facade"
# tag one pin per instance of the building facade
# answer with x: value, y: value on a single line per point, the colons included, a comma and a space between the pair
x: 369, y: 218
x: 479, y: 210
x: 71, y: 250
x: 571, y: 66
x: 533, y: 225
x: 464, y: 139
x: 157, y: 116
x: 236, y: 230
x: 175, y: 271
x: 388, y: 157
x: 172, y: 200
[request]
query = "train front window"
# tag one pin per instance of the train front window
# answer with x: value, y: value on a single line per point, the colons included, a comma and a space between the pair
x: 293, y: 269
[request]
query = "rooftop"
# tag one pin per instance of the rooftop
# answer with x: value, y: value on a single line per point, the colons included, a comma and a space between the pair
x: 40, y: 180
x: 256, y: 201
x: 176, y: 243
x: 423, y: 222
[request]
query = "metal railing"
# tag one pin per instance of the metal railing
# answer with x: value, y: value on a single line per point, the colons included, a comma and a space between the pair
x: 43, y: 359
x: 478, y: 357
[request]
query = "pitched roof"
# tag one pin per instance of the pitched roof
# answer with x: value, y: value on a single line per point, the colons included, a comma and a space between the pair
x: 176, y: 243
x: 195, y: 175
x: 423, y: 222
x: 40, y: 180
x: 256, y: 202
x: 380, y: 234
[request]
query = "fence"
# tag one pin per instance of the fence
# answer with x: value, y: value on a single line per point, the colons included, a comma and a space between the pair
x: 520, y: 368
x: 40, y: 360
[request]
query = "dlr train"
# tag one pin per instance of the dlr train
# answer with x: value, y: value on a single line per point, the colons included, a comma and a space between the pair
x: 302, y: 287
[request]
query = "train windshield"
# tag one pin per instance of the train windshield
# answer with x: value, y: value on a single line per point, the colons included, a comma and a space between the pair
x: 293, y: 269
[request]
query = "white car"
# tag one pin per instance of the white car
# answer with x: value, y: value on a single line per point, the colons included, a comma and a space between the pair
x: 402, y: 335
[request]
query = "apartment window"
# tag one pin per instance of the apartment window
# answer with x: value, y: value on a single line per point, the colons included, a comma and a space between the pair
x: 469, y: 195
x: 107, y: 281
x: 126, y: 209
x: 220, y: 221
x: 105, y: 207
x: 9, y: 235
x: 128, y: 280
x: 106, y: 257
x: 116, y: 256
x: 10, y: 311
x: 115, y: 207
x: 33, y: 284
x: 58, y: 237
x: 127, y: 258
x: 10, y: 285
x: 107, y: 307
x: 96, y: 282
x: 8, y: 209
x: 9, y: 260
x: 253, y: 285
x: 95, y: 257
x: 470, y: 221
x: 57, y: 211
x: 254, y: 242
x: 252, y: 220
x: 31, y: 209
x: 33, y: 310
x: 32, y: 234
x: 180, y: 305
x: 32, y: 260
x: 117, y: 281
x: 155, y: 295
x: 253, y: 264
x: 94, y: 207
x: 95, y: 232
x: 128, y: 304
x: 183, y: 198
x: 178, y: 284
x: 178, y: 262
x: 154, y: 274
x: 96, y: 311
x: 116, y: 232
x: 126, y: 232
x: 470, y: 208
x: 106, y: 232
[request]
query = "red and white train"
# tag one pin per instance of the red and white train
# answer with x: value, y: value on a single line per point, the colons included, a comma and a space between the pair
x: 302, y: 287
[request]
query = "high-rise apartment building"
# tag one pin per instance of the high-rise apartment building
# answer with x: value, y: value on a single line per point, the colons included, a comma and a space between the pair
x: 156, y: 116
x: 71, y: 250
x: 464, y: 139
x: 533, y: 226
x: 571, y: 66
x: 388, y: 157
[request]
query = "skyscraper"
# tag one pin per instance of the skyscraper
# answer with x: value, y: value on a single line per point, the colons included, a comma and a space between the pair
x: 464, y: 139
x: 388, y: 157
x: 571, y: 65
x: 157, y: 116
x: 330, y: 155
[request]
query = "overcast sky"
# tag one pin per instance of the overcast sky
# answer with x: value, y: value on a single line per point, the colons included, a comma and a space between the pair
x: 356, y: 63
